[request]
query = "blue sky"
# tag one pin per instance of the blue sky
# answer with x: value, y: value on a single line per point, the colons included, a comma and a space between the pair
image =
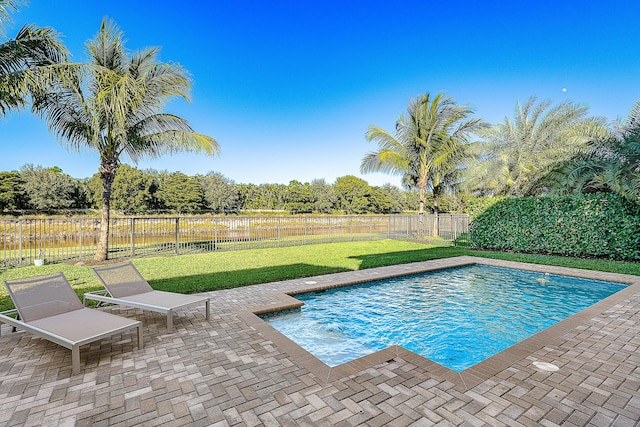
x: 288, y: 88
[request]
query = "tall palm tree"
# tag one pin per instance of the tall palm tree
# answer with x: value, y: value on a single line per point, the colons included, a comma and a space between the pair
x: 31, y: 49
x: 609, y: 165
x: 428, y: 147
x: 520, y: 153
x: 114, y: 106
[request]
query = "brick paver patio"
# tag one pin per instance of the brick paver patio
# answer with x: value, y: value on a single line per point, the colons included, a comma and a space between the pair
x: 235, y: 371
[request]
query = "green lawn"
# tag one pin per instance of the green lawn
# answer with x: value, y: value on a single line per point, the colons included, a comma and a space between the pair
x: 220, y: 270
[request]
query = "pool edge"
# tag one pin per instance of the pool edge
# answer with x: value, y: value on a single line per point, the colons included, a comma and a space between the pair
x: 464, y: 380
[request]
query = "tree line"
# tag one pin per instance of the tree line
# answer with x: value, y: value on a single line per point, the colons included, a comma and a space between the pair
x: 138, y: 192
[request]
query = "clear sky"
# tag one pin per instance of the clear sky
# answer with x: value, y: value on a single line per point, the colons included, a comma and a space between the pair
x: 288, y: 88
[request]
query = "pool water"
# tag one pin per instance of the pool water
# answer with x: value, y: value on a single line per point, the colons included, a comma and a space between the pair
x: 456, y: 317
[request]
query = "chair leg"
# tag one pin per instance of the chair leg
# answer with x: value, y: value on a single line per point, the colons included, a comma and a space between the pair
x: 140, y: 341
x: 75, y: 360
x: 170, y: 321
x: 207, y: 307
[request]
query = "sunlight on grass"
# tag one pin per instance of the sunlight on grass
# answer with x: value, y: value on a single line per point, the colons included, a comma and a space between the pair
x: 223, y: 270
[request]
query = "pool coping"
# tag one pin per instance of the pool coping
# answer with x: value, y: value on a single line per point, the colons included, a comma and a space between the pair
x: 464, y: 380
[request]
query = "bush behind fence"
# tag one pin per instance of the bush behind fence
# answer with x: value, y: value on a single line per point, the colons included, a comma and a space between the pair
x: 75, y: 239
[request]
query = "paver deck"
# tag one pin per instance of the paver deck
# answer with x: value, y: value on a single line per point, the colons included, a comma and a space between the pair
x: 235, y: 371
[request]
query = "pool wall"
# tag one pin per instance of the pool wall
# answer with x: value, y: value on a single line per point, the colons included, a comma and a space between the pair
x: 465, y: 379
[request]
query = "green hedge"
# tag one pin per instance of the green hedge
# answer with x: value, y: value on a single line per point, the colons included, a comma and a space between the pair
x: 599, y: 225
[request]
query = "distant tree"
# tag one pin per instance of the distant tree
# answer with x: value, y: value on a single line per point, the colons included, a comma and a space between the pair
x: 133, y: 190
x: 399, y: 199
x: 274, y: 194
x: 114, y: 106
x: 181, y: 193
x: 519, y: 153
x: 352, y: 194
x: 12, y: 194
x: 380, y: 202
x: 247, y: 194
x: 324, y: 196
x: 413, y: 201
x: 263, y: 196
x: 86, y: 193
x: 298, y: 197
x: 25, y: 60
x: 48, y: 189
x: 221, y: 193
x: 94, y: 185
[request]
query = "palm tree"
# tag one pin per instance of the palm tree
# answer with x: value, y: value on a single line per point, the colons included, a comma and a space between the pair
x: 32, y: 48
x: 113, y: 106
x: 428, y: 148
x: 520, y: 153
x: 610, y: 165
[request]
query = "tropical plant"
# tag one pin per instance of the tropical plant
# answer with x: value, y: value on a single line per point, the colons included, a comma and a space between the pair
x: 31, y: 50
x: 611, y: 165
x: 429, y: 147
x: 519, y: 153
x: 114, y: 106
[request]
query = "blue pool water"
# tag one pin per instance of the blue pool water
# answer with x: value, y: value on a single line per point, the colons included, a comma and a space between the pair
x: 456, y: 317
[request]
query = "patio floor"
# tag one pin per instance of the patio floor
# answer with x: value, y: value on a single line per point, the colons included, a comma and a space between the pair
x: 236, y: 371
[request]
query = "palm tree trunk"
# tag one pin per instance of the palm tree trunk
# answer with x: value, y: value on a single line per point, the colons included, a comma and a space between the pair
x: 437, y: 191
x: 107, y: 175
x: 421, y: 213
x: 436, y: 219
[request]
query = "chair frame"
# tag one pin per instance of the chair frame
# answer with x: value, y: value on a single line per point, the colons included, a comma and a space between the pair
x: 104, y: 296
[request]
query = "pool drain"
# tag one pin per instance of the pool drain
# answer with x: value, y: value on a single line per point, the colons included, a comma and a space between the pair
x: 546, y: 366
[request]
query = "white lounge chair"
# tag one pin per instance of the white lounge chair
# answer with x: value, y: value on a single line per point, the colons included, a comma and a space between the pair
x: 125, y: 286
x: 47, y: 306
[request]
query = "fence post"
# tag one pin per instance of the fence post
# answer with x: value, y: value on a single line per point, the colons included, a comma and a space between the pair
x: 178, y: 236
x: 304, y: 230
x: 248, y: 233
x: 81, y: 222
x: 20, y: 243
x: 133, y: 233
x: 215, y: 235
x: 455, y: 230
x: 409, y: 219
x: 351, y: 228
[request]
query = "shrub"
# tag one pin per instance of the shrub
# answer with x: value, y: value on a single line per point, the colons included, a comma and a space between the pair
x: 596, y: 225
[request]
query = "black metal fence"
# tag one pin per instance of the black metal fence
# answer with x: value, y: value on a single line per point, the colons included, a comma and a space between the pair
x: 25, y: 240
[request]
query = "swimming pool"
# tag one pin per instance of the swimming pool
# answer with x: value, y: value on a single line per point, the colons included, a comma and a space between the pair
x: 456, y: 317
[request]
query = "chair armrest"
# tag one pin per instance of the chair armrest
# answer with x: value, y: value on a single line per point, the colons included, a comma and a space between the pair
x: 99, y: 294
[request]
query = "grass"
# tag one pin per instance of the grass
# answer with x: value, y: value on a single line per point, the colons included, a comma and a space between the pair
x: 223, y: 270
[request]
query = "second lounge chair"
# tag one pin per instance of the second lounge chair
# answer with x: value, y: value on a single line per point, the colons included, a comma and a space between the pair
x: 125, y: 286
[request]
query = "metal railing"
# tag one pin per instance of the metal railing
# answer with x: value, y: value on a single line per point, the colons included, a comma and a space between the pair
x: 75, y: 239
